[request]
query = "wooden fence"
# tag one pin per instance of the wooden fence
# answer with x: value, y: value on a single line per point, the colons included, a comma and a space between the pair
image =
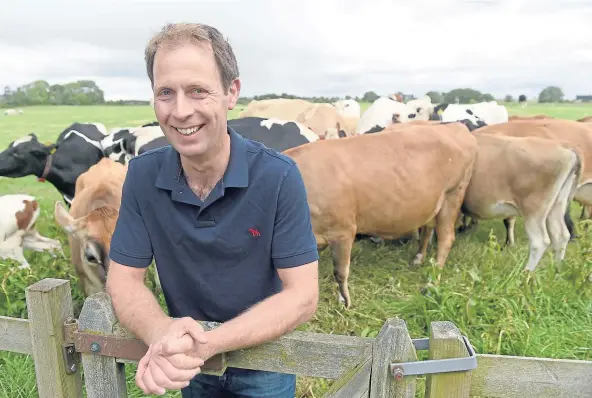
x: 385, y: 366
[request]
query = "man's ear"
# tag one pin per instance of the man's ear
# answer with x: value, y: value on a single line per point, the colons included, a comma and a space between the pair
x: 233, y: 93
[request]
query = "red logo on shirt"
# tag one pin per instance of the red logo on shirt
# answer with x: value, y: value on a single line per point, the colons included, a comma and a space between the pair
x: 254, y: 232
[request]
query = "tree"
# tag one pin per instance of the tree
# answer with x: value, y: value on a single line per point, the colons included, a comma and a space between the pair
x: 435, y: 96
x: 551, y: 94
x: 509, y: 98
x: 370, y: 96
x: 466, y: 96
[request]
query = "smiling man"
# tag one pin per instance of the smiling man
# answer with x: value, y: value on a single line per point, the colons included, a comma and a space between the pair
x: 226, y: 220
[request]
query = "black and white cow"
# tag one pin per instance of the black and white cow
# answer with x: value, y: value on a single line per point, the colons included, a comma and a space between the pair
x: 122, y: 145
x: 273, y: 133
x: 77, y: 148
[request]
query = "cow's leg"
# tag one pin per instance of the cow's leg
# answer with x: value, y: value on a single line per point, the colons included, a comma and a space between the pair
x: 20, y: 257
x: 446, y: 217
x: 585, y: 212
x: 12, y: 248
x: 425, y: 237
x: 538, y: 237
x: 558, y: 229
x: 570, y: 225
x: 510, y: 224
x: 341, y: 253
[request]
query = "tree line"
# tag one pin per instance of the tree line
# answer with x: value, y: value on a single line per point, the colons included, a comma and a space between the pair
x: 87, y: 92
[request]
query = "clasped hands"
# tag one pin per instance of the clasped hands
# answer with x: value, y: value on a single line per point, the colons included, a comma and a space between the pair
x: 175, y: 355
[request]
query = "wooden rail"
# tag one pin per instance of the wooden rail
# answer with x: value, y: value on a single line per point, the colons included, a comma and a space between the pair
x: 359, y: 366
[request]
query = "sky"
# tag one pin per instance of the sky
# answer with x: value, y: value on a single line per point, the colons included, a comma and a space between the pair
x: 313, y: 47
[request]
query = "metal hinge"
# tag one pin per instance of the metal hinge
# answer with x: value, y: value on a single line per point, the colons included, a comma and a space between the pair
x: 71, y: 357
x: 399, y: 370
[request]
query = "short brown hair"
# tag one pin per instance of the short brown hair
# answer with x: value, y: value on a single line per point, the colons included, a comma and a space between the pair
x: 174, y: 33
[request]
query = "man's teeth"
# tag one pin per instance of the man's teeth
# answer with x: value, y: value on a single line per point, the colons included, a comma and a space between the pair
x: 188, y: 131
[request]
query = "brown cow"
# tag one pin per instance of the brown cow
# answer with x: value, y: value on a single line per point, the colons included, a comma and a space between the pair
x: 386, y: 185
x: 91, y: 221
x: 530, y: 177
x: 577, y: 135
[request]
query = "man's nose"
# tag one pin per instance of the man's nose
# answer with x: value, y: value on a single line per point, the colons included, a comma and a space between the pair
x: 183, y: 107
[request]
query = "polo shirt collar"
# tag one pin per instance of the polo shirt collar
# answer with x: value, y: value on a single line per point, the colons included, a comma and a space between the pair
x: 236, y: 174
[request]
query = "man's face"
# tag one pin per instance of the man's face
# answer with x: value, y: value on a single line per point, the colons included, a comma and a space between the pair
x: 189, y: 99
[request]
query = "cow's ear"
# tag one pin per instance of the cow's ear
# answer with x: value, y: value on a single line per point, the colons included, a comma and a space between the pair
x: 64, y: 219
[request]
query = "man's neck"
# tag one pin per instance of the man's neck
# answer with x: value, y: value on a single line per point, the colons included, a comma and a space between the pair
x: 208, y: 169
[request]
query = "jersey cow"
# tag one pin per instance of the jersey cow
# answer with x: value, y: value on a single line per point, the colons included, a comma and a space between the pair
x: 567, y: 132
x: 91, y: 221
x: 18, y: 215
x: 530, y: 177
x: 418, y: 178
x: 77, y: 148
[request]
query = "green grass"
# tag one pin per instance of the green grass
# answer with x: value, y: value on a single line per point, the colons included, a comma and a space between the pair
x: 481, y: 289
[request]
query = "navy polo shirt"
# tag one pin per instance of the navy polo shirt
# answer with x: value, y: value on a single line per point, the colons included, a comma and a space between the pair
x: 216, y: 258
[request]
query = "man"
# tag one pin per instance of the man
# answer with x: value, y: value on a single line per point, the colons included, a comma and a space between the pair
x: 227, y: 222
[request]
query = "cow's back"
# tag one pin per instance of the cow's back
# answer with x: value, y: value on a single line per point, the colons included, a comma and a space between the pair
x: 566, y: 131
x: 388, y: 183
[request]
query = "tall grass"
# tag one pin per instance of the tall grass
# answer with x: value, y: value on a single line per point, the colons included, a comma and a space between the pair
x: 482, y: 289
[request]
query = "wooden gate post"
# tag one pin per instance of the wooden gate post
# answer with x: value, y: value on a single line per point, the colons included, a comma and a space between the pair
x: 103, y: 376
x: 447, y: 342
x: 49, y: 305
x: 393, y: 344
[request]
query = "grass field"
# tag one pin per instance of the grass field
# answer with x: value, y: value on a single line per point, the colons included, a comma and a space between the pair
x: 482, y: 288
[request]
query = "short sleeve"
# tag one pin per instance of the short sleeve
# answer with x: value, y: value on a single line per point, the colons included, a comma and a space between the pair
x: 130, y: 244
x: 293, y: 241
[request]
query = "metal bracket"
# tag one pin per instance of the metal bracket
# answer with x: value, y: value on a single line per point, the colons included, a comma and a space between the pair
x: 70, y: 358
x: 68, y: 348
x: 399, y: 370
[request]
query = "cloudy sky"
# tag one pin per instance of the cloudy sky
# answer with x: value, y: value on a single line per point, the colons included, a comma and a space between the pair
x: 313, y: 47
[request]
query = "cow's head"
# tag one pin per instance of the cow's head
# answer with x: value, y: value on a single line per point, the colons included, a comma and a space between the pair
x: 90, y: 238
x: 25, y: 156
x: 420, y: 109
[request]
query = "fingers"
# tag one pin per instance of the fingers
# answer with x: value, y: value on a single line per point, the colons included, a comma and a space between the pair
x: 177, y: 346
x: 173, y: 373
x: 142, y: 365
x: 185, y: 362
x: 175, y: 380
x: 194, y: 329
x: 151, y: 386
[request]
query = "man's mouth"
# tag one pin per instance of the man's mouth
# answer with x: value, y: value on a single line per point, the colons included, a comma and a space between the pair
x: 190, y: 130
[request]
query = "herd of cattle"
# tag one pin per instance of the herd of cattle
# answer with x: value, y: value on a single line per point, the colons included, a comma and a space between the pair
x: 395, y: 170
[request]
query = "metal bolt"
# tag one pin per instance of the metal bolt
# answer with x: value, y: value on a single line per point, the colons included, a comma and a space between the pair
x: 95, y: 347
x: 398, y: 374
x: 70, y: 350
x: 73, y: 367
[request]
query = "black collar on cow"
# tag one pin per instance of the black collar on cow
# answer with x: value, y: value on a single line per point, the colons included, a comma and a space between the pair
x: 46, y: 169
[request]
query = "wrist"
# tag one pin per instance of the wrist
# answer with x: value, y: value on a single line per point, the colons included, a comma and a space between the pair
x: 156, y: 328
x: 214, y: 345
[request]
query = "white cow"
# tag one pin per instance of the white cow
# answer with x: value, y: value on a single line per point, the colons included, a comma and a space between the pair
x: 420, y: 109
x: 383, y: 112
x: 488, y: 112
x: 18, y: 214
x: 348, y: 108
